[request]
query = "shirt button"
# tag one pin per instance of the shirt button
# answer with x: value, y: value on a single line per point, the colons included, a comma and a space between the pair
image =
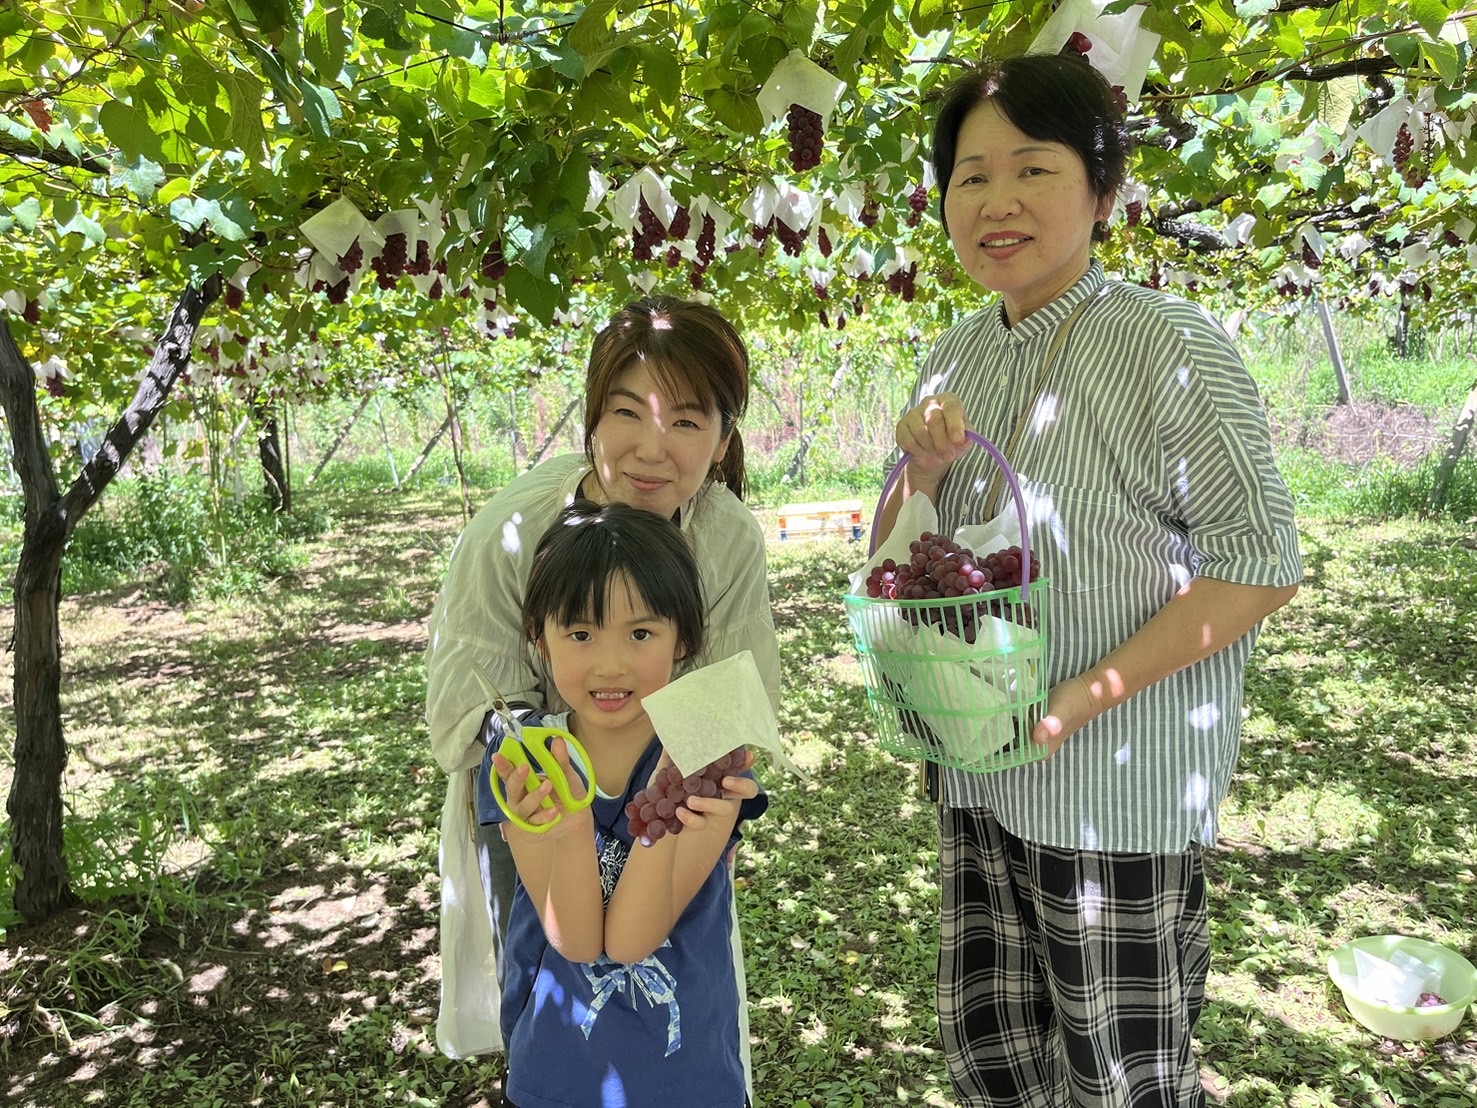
x: 1274, y: 559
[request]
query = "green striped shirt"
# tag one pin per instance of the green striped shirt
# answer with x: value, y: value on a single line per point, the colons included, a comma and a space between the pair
x: 1146, y: 460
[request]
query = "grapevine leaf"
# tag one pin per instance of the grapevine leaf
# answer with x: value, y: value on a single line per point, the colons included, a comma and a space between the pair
x: 324, y: 42
x: 1445, y: 60
x: 592, y: 28
x: 1430, y: 14
x: 84, y: 225
x: 1337, y: 100
x: 1405, y: 49
x: 803, y: 21
x: 174, y: 190
x: 143, y: 178
x: 738, y: 111
x: 383, y: 25
x: 247, y: 129
x: 271, y: 15
x: 538, y: 295
x: 128, y: 128
x: 926, y: 15
x: 230, y: 220
x: 662, y: 73
x: 320, y: 107
x: 1254, y: 9
x: 27, y: 212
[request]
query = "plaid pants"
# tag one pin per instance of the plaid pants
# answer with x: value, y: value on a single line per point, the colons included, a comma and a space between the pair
x: 1068, y: 977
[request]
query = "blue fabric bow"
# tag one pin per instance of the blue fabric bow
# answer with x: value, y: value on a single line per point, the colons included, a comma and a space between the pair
x: 609, y: 978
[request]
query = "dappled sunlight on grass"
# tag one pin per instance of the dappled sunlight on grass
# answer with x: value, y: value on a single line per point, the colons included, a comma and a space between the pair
x: 254, y: 812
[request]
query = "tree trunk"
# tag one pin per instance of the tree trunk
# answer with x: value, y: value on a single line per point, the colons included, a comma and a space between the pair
x: 42, y: 883
x: 538, y: 455
x: 275, y: 486
x: 1335, y: 354
x: 340, y: 437
x: 385, y: 434
x: 795, y: 472
x: 1454, y: 449
x: 455, y: 418
x: 426, y: 453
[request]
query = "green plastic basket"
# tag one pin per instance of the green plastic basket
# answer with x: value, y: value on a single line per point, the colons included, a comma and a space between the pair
x: 959, y: 681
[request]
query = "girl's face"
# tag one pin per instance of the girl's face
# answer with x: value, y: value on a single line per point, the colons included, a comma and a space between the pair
x: 1020, y: 212
x: 652, y: 450
x: 604, y: 672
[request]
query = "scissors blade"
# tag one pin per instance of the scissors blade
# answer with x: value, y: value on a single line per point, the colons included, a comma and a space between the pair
x: 511, y: 726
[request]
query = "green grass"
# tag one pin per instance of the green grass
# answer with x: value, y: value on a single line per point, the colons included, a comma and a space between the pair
x: 252, y: 815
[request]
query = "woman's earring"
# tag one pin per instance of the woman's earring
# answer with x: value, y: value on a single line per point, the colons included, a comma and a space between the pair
x: 717, y: 475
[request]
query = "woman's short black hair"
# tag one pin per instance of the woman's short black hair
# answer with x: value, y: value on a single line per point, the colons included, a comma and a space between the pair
x: 591, y: 548
x: 1050, y: 97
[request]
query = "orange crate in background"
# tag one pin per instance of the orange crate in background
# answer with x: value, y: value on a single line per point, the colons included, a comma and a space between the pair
x: 820, y: 520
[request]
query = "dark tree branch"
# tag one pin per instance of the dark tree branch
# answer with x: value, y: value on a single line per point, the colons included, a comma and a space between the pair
x: 171, y: 357
x: 29, y: 152
x: 1195, y: 236
x: 28, y: 441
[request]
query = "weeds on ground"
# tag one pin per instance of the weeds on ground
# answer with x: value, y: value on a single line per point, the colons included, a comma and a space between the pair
x: 253, y: 815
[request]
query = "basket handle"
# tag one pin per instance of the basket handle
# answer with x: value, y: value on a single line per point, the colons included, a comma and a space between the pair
x: 1015, y: 492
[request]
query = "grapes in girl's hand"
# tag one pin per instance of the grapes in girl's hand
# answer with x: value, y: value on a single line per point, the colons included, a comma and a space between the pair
x: 652, y: 813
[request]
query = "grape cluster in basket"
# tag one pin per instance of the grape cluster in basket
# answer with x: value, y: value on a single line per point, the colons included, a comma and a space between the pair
x: 652, y: 813
x: 940, y: 569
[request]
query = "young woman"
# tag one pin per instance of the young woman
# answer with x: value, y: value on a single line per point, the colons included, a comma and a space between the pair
x: 666, y: 387
x: 1074, y: 939
x: 619, y: 988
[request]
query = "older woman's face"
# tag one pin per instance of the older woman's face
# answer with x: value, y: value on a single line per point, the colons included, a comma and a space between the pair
x: 1020, y: 212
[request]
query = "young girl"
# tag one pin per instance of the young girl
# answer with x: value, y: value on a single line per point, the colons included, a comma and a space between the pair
x: 620, y: 984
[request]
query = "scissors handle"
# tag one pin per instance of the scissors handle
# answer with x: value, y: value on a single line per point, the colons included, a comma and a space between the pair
x: 532, y: 747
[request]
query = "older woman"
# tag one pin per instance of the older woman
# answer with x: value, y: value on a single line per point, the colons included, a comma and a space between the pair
x: 1074, y: 938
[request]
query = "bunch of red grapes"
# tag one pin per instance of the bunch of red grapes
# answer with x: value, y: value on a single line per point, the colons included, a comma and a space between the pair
x: 352, y: 258
x: 1430, y: 1000
x: 941, y: 569
x: 422, y: 264
x: 651, y: 234
x: 806, y: 138
x: 494, y: 265
x: 918, y: 203
x: 792, y: 240
x: 390, y: 262
x: 652, y: 813
x: 706, y: 244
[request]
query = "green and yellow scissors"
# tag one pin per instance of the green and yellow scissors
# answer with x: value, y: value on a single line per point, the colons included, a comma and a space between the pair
x: 530, y: 746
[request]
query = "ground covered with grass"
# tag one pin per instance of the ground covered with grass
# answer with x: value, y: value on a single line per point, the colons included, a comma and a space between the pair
x: 253, y: 821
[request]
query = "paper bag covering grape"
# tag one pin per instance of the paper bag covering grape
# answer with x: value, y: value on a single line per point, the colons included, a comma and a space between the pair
x: 704, y: 719
x: 952, y: 647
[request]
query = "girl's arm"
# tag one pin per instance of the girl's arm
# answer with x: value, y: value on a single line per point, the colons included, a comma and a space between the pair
x: 659, y: 881
x: 558, y: 868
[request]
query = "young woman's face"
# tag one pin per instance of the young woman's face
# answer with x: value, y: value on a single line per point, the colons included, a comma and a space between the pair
x: 652, y: 450
x: 1020, y: 212
x: 604, y: 672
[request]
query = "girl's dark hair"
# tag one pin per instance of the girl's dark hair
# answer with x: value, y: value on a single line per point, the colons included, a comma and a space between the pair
x: 591, y: 548
x: 692, y: 351
x: 1050, y: 97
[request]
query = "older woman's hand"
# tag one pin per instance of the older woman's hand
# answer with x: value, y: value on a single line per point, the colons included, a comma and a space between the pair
x: 933, y: 433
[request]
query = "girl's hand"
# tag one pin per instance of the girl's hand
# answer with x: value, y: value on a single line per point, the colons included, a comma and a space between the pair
x: 736, y: 789
x: 933, y: 433
x: 527, y: 791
